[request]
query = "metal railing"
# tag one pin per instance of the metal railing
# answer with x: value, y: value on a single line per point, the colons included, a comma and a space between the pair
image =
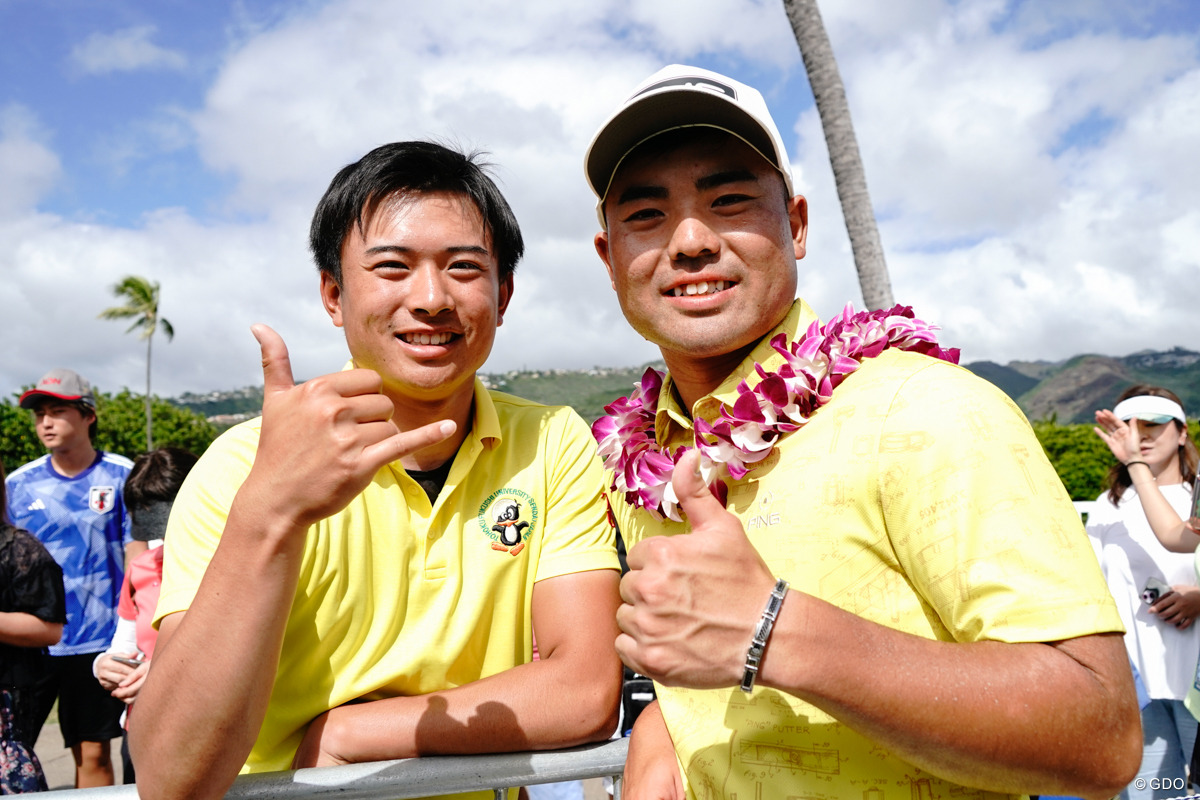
x: 414, y: 777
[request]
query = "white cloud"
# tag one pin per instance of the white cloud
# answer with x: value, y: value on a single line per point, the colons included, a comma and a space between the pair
x: 126, y: 50
x: 1021, y: 239
x: 28, y: 167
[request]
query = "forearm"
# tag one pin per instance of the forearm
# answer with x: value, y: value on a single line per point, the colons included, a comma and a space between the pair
x: 1164, y: 520
x: 651, y: 769
x: 535, y: 706
x: 203, y: 703
x: 569, y: 697
x: 1008, y: 717
x: 25, y: 630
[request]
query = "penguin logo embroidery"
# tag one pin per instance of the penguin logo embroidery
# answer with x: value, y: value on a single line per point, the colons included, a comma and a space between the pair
x: 509, y: 523
x: 508, y: 517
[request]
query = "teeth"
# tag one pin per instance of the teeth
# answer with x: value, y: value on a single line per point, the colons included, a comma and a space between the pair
x: 701, y: 288
x: 426, y: 338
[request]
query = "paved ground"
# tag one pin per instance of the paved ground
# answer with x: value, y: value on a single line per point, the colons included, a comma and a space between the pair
x: 56, y: 759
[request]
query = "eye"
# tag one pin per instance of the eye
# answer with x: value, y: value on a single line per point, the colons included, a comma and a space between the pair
x: 642, y: 214
x: 467, y: 265
x: 388, y: 265
x: 731, y: 199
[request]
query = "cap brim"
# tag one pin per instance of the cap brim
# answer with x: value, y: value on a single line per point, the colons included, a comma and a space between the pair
x: 1154, y: 419
x: 28, y: 399
x: 660, y: 112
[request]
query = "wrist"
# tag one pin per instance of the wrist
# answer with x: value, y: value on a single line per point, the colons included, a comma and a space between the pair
x: 762, y: 635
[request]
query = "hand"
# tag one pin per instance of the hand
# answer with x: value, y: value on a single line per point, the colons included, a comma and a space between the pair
x: 1122, y: 438
x: 323, y: 441
x: 651, y: 770
x: 316, y: 750
x: 127, y: 690
x: 692, y: 601
x: 111, y: 672
x: 1178, y: 607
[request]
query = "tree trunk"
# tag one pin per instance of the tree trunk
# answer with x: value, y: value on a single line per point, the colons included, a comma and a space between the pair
x: 848, y: 172
x: 149, y: 422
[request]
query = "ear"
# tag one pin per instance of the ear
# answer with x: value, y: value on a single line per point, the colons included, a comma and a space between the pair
x: 601, y: 242
x: 331, y: 298
x: 798, y: 217
x: 506, y: 291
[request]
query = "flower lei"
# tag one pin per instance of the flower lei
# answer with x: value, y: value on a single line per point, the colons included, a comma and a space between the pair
x: 781, y: 403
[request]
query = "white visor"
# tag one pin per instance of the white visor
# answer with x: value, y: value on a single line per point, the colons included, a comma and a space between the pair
x: 1151, y: 409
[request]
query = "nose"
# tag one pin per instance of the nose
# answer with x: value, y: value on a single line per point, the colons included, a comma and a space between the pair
x: 430, y: 294
x: 693, y: 239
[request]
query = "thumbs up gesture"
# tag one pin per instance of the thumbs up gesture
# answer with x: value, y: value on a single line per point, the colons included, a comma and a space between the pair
x: 322, y: 441
x: 691, y: 602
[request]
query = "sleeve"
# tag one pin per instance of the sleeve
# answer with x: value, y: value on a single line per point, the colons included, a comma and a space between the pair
x: 125, y: 638
x: 199, y: 513
x: 578, y: 536
x: 40, y: 589
x: 980, y: 521
x: 125, y: 607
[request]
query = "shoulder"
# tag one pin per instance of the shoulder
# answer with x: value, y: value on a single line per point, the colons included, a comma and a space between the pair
x: 916, y: 384
x: 514, y: 411
x: 23, y: 548
x: 114, y: 460
x: 29, y: 470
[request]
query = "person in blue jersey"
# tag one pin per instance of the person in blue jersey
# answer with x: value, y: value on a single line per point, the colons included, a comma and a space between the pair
x: 71, y: 499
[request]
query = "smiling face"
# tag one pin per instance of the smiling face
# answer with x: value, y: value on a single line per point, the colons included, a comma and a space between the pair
x: 701, y: 248
x: 420, y: 296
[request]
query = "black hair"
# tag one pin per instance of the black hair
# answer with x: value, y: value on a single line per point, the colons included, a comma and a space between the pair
x: 1118, y: 479
x: 410, y: 168
x: 156, y: 476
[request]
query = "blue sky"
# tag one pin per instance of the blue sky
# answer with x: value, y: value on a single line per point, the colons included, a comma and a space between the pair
x: 1032, y: 164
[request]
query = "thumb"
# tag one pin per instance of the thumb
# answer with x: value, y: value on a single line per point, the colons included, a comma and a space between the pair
x: 695, y: 499
x: 277, y: 366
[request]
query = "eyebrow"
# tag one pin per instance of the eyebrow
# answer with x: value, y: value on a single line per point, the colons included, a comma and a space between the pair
x: 460, y: 248
x: 649, y: 192
x: 722, y: 178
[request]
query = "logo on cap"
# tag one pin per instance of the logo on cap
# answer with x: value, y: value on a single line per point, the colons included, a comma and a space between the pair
x: 696, y: 82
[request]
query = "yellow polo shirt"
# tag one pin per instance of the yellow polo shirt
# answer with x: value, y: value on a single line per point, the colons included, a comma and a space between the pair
x: 398, y: 597
x: 918, y: 498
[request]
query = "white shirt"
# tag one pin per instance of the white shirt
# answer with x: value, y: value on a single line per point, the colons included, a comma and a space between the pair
x: 1129, y: 554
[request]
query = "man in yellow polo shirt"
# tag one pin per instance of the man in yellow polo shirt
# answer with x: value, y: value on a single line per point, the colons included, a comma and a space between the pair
x: 360, y: 574
x: 883, y: 590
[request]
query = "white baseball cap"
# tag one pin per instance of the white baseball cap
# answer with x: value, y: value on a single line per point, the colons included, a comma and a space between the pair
x: 680, y: 96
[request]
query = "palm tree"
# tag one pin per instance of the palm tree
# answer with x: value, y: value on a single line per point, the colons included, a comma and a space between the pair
x: 848, y: 172
x: 141, y: 296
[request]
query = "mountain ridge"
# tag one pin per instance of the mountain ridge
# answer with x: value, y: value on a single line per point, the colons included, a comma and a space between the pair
x: 1067, y: 392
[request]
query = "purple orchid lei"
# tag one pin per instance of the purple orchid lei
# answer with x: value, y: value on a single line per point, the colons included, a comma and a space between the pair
x: 781, y: 403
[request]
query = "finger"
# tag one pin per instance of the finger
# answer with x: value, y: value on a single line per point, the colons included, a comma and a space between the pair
x: 405, y: 443
x: 627, y: 587
x: 626, y: 647
x: 695, y: 499
x: 1133, y: 427
x: 276, y: 364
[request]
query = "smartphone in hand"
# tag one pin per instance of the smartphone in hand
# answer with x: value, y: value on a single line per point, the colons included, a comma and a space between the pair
x: 1155, y: 589
x: 1196, y: 498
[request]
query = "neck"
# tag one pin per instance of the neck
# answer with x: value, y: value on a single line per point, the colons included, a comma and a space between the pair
x: 695, y: 377
x: 1168, y: 473
x: 70, y: 461
x: 412, y: 413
